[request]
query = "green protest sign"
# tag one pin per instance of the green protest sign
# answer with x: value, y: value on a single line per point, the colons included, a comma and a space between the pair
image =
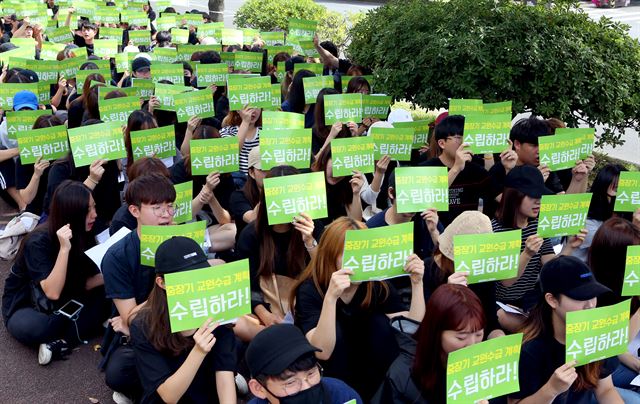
x: 139, y: 18
x: 49, y: 143
x: 563, y: 149
x: 313, y: 85
x: 69, y: 67
x: 282, y: 120
x: 586, y: 148
x: 160, y: 142
x: 420, y: 188
x: 291, y: 195
x: 198, y: 103
x: 252, y: 91
x: 209, y: 155
x: 222, y: 293
x: 187, y: 50
x: 487, y: 257
x: 93, y: 142
x: 118, y: 109
x: 342, y: 108
x: 285, y: 147
x: 165, y: 23
x: 302, y: 28
x: 352, y: 154
x: 22, y: 121
x: 231, y: 36
x: 485, y: 370
x: 487, y: 133
x: 503, y: 107
x: 85, y: 9
x: 272, y: 38
x: 375, y: 106
x: 420, y: 132
x: 209, y: 30
x: 379, y: 253
x: 276, y: 97
x: 103, y: 64
x: 228, y: 58
x: 60, y: 35
x: 192, y: 19
x: 281, y: 71
x: 184, y: 196
x: 46, y: 70
x: 631, y: 284
x: 395, y: 142
x: 563, y: 215
x: 596, y: 334
x: 249, y: 35
x: 174, y: 72
x: 465, y: 106
x: 179, y: 36
x: 273, y: 50
x: 8, y: 90
x: 144, y: 87
x: 308, y: 48
x: 111, y: 33
x: 628, y: 194
x: 164, y: 55
x: 141, y: 37
x: 81, y: 76
x: 152, y: 236
x: 166, y: 93
x: 50, y: 50
x: 316, y: 68
x: 248, y: 61
x: 122, y: 62
x: 103, y: 91
x: 23, y: 53
x: 107, y: 15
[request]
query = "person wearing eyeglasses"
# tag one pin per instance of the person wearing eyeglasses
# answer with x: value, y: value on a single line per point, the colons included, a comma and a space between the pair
x: 468, y: 182
x: 284, y: 370
x: 150, y: 199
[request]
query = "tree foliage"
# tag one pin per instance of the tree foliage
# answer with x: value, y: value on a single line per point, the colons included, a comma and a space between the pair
x: 552, y: 61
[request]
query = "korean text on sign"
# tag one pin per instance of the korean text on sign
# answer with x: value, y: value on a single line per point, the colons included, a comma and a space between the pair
x: 282, y: 120
x: 563, y: 215
x: 394, y: 142
x: 222, y: 293
x: 628, y: 196
x: 209, y: 155
x: 152, y: 236
x: 631, y: 283
x: 485, y: 370
x: 352, y: 154
x: 487, y: 133
x: 252, y: 91
x: 285, y: 146
x: 563, y: 149
x: 93, y: 142
x: 596, y: 334
x: 156, y: 141
x: 342, y: 108
x: 50, y: 143
x: 420, y: 188
x: 420, y: 132
x: 487, y: 257
x: 184, y: 194
x: 198, y: 103
x: 291, y: 195
x: 379, y: 253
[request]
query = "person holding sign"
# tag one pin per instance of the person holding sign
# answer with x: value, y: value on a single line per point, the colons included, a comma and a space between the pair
x: 453, y: 319
x: 468, y: 182
x: 350, y: 321
x: 53, y: 296
x: 277, y: 254
x: 245, y: 125
x: 295, y: 98
x: 321, y: 133
x: 194, y: 365
x: 244, y: 203
x: 567, y: 285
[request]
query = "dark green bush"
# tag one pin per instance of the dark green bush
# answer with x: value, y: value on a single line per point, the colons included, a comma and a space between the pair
x: 552, y: 61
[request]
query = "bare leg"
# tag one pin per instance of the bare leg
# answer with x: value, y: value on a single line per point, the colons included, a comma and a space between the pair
x: 223, y: 237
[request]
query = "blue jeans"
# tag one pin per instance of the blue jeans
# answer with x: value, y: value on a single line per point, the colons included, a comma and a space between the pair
x: 623, y: 376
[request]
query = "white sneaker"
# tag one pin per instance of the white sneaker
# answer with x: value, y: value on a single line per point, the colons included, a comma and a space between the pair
x: 57, y: 349
x: 241, y: 385
x: 120, y: 398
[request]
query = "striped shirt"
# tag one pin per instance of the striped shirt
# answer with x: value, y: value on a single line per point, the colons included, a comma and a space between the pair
x: 527, y: 282
x: 249, y: 144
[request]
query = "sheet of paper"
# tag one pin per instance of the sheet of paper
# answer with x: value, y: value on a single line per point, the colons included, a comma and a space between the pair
x: 97, y: 253
x: 510, y: 309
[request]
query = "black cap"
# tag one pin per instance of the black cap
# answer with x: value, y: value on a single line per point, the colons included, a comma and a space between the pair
x: 571, y: 277
x: 179, y: 254
x: 528, y: 180
x: 289, y: 64
x: 140, y: 63
x: 7, y: 46
x: 30, y: 75
x: 276, y: 348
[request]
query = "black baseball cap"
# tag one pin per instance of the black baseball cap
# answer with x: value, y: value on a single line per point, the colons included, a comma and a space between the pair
x: 276, y: 348
x: 140, y: 63
x: 178, y: 254
x: 528, y: 180
x: 571, y: 277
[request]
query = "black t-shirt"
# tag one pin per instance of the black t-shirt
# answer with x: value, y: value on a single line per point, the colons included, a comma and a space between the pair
x: 539, y: 358
x: 23, y: 177
x: 238, y: 206
x: 35, y: 264
x: 124, y: 276
x: 470, y: 184
x: 155, y: 367
x: 222, y: 192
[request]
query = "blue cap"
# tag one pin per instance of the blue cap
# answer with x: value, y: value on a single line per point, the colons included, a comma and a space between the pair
x: 25, y: 99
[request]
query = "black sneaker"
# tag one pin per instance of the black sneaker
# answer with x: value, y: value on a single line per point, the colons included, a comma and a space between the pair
x: 57, y: 349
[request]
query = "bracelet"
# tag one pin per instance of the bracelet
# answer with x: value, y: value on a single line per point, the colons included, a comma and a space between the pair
x: 92, y: 180
x: 313, y: 245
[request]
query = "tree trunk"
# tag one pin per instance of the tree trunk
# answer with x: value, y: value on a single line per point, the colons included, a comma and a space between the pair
x: 216, y: 10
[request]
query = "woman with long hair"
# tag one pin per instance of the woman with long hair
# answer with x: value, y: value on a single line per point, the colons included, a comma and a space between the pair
x: 138, y: 120
x: 244, y: 203
x: 295, y: 98
x: 187, y: 366
x: 245, y: 125
x: 321, y: 133
x: 349, y: 321
x: 277, y: 254
x: 51, y: 271
x: 453, y: 319
x: 567, y: 285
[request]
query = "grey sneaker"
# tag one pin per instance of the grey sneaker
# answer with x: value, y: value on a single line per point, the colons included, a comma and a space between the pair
x: 120, y: 398
x: 57, y: 349
x: 241, y: 385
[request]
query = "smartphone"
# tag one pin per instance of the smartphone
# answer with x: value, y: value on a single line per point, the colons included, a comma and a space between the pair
x: 71, y: 308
